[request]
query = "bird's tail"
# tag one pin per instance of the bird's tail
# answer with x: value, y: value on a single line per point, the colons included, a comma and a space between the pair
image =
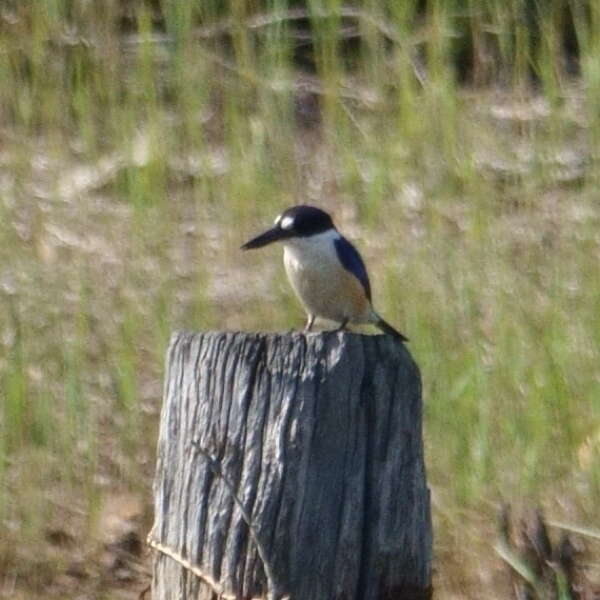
x: 389, y: 330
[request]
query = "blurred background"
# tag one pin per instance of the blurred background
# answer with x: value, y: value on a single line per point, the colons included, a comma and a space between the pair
x: 456, y: 142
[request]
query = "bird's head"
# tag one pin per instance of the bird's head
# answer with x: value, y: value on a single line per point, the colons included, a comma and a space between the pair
x: 300, y: 221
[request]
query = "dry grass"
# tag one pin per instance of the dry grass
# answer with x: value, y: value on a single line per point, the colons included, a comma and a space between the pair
x: 133, y: 166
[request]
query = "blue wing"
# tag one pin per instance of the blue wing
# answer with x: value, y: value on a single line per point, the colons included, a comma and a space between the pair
x: 350, y: 258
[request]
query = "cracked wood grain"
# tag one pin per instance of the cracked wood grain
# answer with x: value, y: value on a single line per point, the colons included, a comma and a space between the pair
x: 316, y: 440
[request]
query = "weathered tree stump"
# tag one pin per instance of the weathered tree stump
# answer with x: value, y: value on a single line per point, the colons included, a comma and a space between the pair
x: 291, y: 466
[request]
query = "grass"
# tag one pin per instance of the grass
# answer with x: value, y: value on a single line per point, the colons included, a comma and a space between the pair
x: 134, y: 164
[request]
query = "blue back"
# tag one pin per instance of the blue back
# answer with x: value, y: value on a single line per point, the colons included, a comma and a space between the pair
x: 350, y: 258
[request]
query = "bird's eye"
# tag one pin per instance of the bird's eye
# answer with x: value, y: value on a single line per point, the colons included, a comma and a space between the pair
x: 287, y: 223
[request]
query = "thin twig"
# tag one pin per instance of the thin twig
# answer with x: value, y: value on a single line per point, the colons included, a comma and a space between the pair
x: 267, y: 19
x: 354, y: 121
x: 216, y: 587
x: 264, y: 20
x: 303, y: 84
x: 273, y: 593
x: 585, y: 531
x: 516, y: 563
x: 215, y: 466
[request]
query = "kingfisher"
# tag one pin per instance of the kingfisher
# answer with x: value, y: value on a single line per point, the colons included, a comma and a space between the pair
x: 325, y: 270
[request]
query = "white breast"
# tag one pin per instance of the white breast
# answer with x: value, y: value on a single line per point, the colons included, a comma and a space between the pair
x: 312, y: 252
x: 323, y: 285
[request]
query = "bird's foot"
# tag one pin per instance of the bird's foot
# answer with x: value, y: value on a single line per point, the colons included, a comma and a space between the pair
x: 342, y: 326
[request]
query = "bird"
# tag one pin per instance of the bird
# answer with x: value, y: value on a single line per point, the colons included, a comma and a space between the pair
x: 325, y: 270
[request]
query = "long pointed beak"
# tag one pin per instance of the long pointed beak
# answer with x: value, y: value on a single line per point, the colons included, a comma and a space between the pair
x: 268, y: 237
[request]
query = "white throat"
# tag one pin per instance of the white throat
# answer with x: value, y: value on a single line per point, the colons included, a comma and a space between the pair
x: 316, y: 248
x: 321, y: 240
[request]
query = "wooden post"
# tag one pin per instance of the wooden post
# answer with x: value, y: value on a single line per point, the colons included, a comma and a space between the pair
x: 291, y: 466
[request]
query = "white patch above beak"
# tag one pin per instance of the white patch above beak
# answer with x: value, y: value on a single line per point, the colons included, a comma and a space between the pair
x: 287, y: 223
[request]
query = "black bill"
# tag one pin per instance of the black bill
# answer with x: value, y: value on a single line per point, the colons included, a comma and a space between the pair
x: 268, y: 237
